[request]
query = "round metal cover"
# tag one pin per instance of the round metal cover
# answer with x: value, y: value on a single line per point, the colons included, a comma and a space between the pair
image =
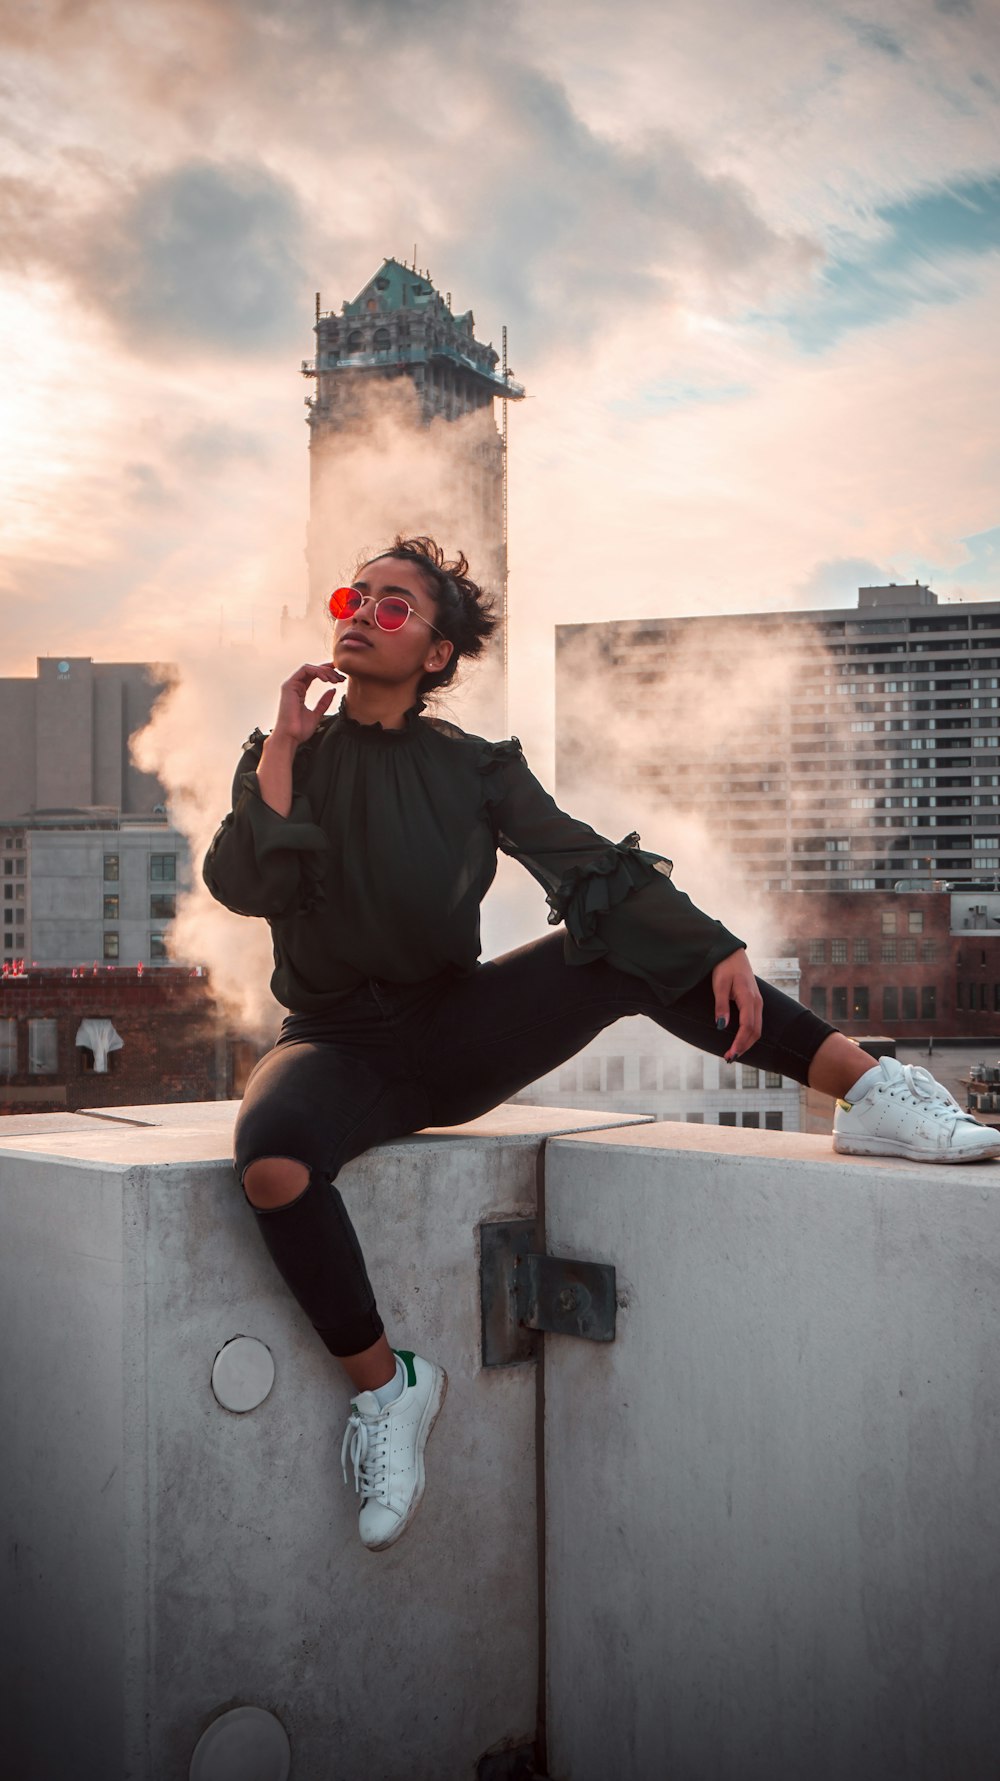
x: 243, y: 1373
x: 245, y: 1744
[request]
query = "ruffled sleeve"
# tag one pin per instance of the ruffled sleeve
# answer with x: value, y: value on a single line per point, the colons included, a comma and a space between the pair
x: 260, y: 863
x: 615, y: 899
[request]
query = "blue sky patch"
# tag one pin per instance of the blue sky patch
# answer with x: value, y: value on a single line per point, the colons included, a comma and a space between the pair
x: 670, y: 392
x: 923, y: 252
x: 981, y: 570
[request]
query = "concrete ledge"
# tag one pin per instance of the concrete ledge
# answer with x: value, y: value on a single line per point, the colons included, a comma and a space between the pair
x: 773, y: 1528
x: 171, y: 1559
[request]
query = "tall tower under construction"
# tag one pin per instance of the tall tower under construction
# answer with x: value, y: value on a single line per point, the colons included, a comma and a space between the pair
x: 403, y: 437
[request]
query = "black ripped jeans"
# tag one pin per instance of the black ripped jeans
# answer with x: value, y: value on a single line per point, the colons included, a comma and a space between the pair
x: 393, y: 1058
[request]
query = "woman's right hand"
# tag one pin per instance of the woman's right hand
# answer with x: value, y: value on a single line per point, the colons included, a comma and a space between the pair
x: 295, y: 722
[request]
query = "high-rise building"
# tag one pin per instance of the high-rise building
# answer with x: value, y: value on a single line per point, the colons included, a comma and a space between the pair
x: 89, y: 862
x: 397, y: 358
x: 834, y: 750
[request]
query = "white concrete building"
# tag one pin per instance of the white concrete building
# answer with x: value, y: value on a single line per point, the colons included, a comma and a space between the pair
x: 637, y: 1067
x: 103, y: 893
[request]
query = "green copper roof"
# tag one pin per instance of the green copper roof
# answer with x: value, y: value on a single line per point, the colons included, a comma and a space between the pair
x: 394, y: 286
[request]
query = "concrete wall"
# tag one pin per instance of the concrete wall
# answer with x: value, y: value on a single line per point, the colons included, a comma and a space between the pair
x: 772, y: 1518
x: 773, y: 1504
x: 172, y: 1559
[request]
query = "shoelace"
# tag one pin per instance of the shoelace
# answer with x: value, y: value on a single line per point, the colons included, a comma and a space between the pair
x: 366, y: 1438
x: 919, y: 1083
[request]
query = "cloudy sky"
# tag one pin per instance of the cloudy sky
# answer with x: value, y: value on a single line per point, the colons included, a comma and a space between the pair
x: 747, y: 251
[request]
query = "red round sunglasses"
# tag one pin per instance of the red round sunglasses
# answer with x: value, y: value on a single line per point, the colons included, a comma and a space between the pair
x: 390, y: 613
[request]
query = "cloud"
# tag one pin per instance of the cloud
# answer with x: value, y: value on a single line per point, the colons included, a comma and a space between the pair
x: 876, y: 37
x: 836, y: 582
x: 203, y: 255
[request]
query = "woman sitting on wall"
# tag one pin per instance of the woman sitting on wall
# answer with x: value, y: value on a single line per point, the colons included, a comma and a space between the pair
x: 367, y: 840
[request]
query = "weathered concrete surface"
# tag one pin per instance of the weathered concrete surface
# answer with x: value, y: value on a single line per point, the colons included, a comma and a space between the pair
x: 168, y: 1559
x: 774, y: 1503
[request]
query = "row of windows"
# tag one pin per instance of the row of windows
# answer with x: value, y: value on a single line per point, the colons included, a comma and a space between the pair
x: 889, y: 951
x: 157, y: 946
x: 162, y: 868
x: 162, y: 906
x: 975, y: 997
x: 607, y: 1075
x: 43, y: 1047
x: 43, y: 1050
x: 773, y: 1122
x: 862, y: 946
x: 897, y: 1004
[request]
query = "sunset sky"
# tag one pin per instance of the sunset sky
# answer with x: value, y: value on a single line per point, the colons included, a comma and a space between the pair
x: 747, y: 252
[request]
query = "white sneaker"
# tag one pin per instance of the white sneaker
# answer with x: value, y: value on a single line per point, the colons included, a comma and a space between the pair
x: 909, y: 1113
x: 387, y: 1450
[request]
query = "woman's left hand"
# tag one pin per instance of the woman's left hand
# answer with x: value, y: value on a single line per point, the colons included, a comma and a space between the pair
x: 733, y: 981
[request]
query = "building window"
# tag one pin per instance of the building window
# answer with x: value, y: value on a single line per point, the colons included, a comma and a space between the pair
x: 8, y: 1047
x: 567, y: 1077
x: 750, y: 1076
x: 111, y: 946
x: 774, y: 1122
x: 751, y: 1119
x: 727, y: 1119
x: 838, y: 1003
x: 43, y: 1047
x: 817, y: 952
x: 162, y: 906
x: 111, y: 908
x: 838, y: 952
x: 861, y: 952
x: 888, y: 952
x: 890, y: 1003
x: 928, y: 1002
x: 694, y: 1075
x: 910, y: 1001
x: 772, y: 1079
x: 671, y: 1073
x: 591, y: 1075
x: 615, y: 1075
x: 888, y: 921
x: 727, y: 1074
x: 915, y: 921
x: 928, y: 952
x: 648, y: 1074
x: 157, y: 946
x: 111, y: 868
x: 695, y: 1118
x: 163, y: 867
x: 817, y: 1000
x: 908, y: 951
x: 860, y: 1005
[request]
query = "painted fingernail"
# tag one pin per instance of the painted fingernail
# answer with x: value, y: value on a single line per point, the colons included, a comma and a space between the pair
x: 721, y: 1023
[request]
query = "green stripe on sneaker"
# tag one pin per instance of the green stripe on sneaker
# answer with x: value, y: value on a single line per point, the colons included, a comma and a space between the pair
x: 406, y: 1356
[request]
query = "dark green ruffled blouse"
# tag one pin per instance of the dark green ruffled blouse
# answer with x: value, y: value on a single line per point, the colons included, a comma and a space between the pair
x: 390, y: 845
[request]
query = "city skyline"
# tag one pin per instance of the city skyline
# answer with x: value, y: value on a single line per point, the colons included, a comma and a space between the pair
x: 755, y: 314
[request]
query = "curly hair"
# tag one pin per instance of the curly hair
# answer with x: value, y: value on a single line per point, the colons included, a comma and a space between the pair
x: 464, y: 610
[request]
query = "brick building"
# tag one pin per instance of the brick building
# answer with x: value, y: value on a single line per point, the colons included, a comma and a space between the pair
x: 173, y: 1046
x: 905, y: 963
